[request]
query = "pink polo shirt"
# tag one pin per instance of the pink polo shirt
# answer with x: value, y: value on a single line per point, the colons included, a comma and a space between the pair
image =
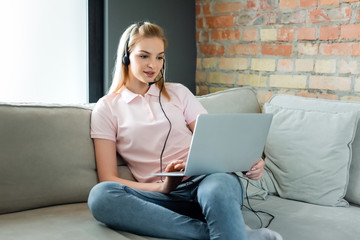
x: 138, y: 126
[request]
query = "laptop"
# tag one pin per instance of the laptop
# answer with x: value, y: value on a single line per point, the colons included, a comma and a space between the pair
x: 225, y: 143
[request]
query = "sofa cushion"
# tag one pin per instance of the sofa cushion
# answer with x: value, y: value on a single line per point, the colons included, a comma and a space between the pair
x: 296, y: 220
x: 63, y: 222
x: 353, y: 191
x: 308, y: 154
x: 47, y: 156
x: 234, y: 100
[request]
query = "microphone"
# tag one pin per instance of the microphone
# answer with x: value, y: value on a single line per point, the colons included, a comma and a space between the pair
x: 151, y: 83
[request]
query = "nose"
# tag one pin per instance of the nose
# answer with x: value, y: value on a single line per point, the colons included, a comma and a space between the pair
x: 151, y: 62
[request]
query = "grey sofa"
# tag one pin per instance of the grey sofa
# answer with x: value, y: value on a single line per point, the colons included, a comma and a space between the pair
x: 47, y: 169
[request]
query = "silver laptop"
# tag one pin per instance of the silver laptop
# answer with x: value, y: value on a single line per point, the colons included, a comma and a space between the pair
x: 225, y: 143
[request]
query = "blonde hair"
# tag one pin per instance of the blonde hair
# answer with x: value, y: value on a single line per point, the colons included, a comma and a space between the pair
x: 133, y: 34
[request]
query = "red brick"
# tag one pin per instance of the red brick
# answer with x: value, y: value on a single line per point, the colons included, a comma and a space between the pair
x: 231, y: 35
x: 307, y: 33
x: 307, y: 94
x: 197, y: 9
x: 329, y: 33
x: 228, y: 7
x: 243, y: 49
x: 351, y: 0
x: 276, y: 49
x: 318, y: 15
x: 206, y: 9
x: 200, y: 22
x: 220, y: 21
x: 328, y: 96
x: 328, y: 2
x: 212, y: 49
x: 250, y: 34
x: 287, y: 4
x: 286, y: 34
x: 350, y: 31
x: 330, y: 15
x: 252, y: 5
x: 340, y: 49
x: 308, y: 3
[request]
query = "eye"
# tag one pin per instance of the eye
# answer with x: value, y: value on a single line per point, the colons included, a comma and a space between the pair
x: 143, y: 56
x: 161, y: 58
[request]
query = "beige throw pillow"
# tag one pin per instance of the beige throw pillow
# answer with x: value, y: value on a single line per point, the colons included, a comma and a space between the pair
x: 334, y: 106
x: 308, y: 154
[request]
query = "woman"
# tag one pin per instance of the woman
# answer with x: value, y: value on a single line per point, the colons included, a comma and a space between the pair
x: 150, y: 124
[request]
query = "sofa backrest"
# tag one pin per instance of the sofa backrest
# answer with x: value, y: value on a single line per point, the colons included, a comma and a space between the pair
x: 46, y: 156
x: 234, y: 100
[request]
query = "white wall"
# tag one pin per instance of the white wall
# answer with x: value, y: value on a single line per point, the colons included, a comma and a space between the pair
x: 43, y: 51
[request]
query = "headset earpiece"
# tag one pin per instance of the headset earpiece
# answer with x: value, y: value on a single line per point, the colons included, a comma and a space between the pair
x: 126, y: 58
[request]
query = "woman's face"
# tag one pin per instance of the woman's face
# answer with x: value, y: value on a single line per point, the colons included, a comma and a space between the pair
x: 146, y: 60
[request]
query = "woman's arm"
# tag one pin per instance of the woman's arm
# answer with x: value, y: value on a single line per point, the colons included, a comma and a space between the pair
x: 192, y: 125
x: 105, y: 154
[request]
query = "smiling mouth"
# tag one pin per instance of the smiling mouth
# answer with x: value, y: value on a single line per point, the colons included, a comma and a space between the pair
x: 150, y: 74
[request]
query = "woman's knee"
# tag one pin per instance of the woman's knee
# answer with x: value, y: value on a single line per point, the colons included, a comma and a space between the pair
x: 220, y: 185
x: 101, y: 197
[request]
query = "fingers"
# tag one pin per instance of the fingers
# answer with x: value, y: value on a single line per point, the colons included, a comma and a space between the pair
x: 179, y: 165
x: 254, y: 173
x: 256, y: 170
x: 174, y: 166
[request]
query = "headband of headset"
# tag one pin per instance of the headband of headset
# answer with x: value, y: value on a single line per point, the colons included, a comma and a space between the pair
x: 126, y: 59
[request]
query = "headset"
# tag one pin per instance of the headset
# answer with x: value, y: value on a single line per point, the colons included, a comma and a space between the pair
x: 126, y: 62
x: 126, y: 59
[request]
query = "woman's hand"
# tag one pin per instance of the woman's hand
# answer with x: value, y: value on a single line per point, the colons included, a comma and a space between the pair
x: 256, y: 170
x: 171, y: 183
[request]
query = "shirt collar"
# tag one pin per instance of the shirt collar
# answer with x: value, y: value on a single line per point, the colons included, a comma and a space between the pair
x: 128, y: 95
x: 153, y: 91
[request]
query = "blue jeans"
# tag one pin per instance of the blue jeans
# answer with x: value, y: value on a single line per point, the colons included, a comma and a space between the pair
x: 205, y: 207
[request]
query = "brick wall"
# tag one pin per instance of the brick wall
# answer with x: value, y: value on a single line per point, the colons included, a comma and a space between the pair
x: 301, y: 47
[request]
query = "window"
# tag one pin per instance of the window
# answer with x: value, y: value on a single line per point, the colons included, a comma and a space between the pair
x: 44, y: 51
